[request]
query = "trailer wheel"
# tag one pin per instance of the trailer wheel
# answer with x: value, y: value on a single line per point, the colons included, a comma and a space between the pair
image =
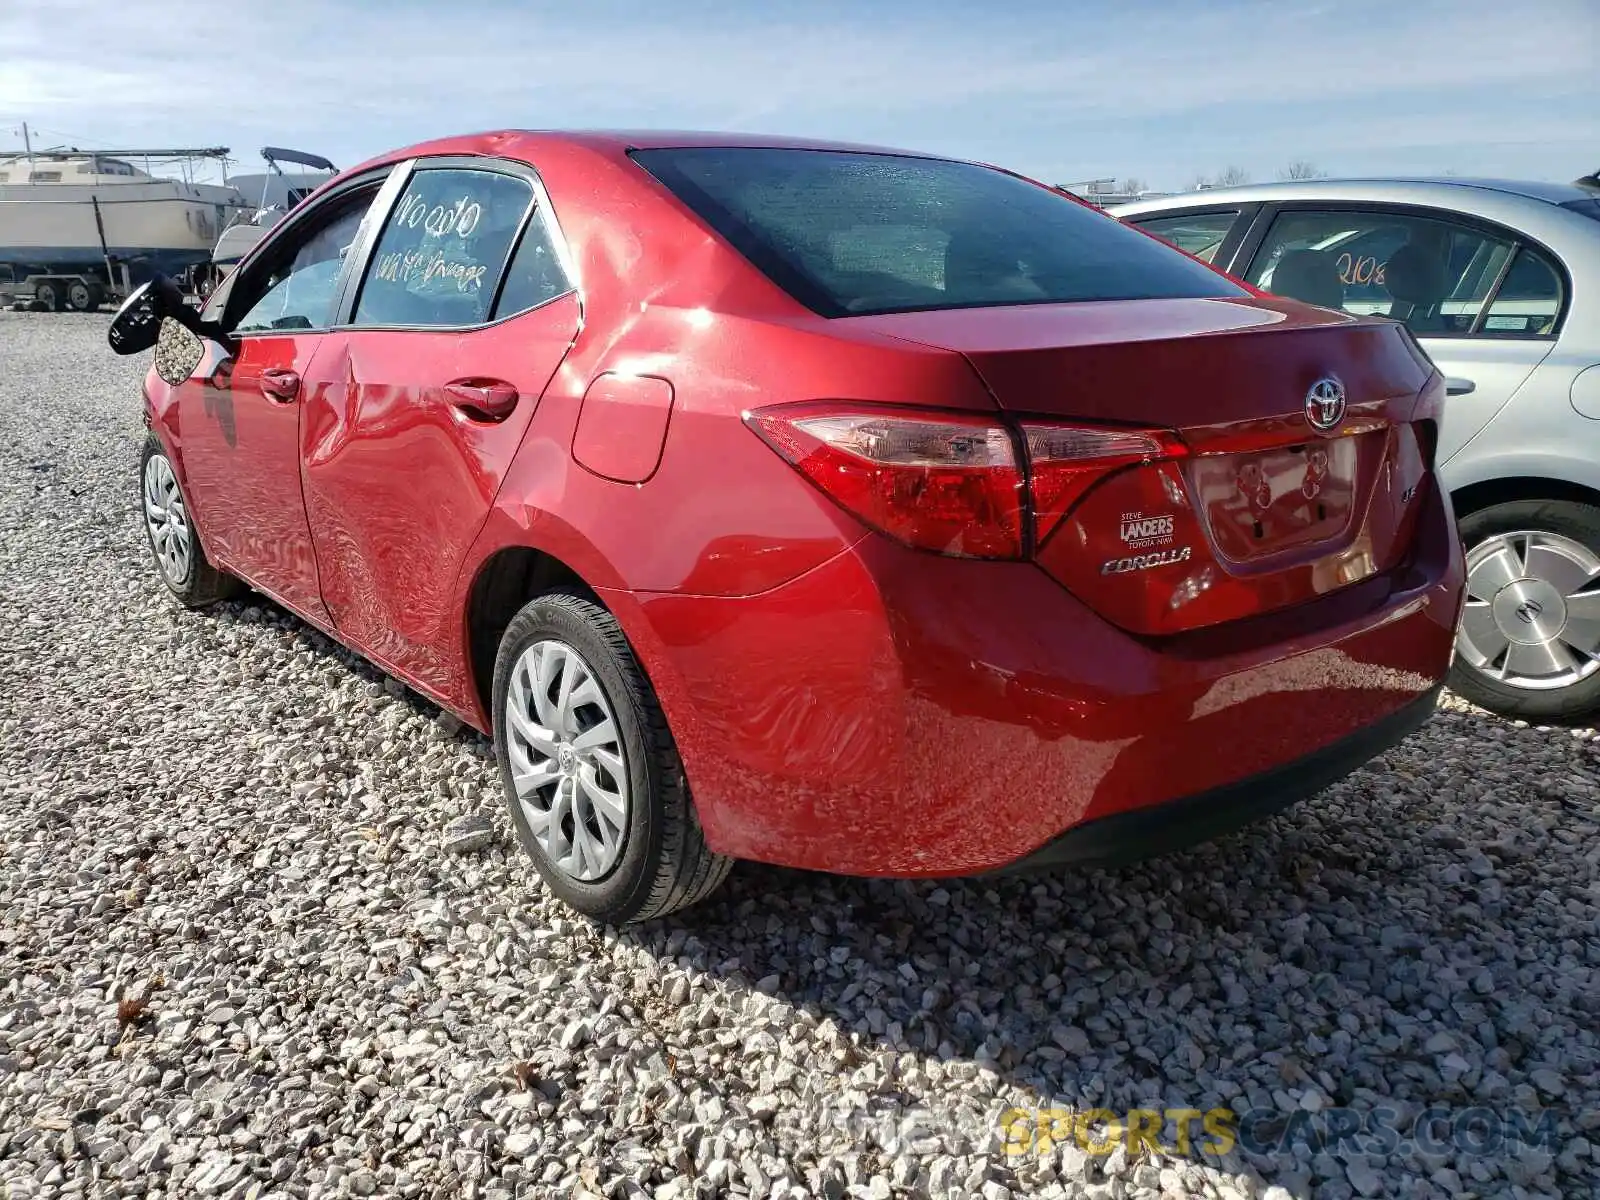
x: 49, y: 296
x: 81, y: 297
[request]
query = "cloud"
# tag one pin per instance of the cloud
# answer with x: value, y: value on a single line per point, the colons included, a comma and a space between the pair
x: 1024, y: 83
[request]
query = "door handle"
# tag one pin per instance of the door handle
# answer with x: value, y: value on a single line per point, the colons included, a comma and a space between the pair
x: 1459, y: 387
x: 280, y: 385
x: 483, y: 399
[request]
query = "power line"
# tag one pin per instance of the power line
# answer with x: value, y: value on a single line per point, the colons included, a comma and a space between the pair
x: 76, y: 139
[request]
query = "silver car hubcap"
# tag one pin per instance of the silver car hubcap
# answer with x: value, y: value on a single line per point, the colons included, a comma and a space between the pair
x: 167, y: 519
x: 1532, y: 617
x: 568, y: 766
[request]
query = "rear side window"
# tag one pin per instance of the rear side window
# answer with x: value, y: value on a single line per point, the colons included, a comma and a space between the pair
x: 1430, y: 273
x: 1528, y: 301
x: 850, y: 233
x: 535, y: 274
x: 1201, y: 234
x: 443, y: 249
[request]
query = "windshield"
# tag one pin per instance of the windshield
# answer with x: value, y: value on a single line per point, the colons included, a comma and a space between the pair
x: 850, y: 233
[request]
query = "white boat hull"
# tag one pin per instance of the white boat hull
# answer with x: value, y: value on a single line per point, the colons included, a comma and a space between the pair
x: 150, y: 224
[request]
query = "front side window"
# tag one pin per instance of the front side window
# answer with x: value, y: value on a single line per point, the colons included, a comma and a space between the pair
x: 1432, y: 274
x: 443, y: 249
x: 296, y: 286
x: 1201, y: 234
x: 850, y: 233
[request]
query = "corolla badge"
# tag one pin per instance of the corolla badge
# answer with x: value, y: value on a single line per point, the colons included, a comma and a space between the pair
x: 1325, y: 403
x: 1144, y: 562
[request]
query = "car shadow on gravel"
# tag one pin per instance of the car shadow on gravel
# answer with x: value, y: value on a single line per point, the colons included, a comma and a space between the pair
x: 1337, y: 954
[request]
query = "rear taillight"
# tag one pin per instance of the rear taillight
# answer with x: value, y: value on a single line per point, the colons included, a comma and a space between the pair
x: 940, y: 482
x: 1064, y: 461
x: 949, y: 482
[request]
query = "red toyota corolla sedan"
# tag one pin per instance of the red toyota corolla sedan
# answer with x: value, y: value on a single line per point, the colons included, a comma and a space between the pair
x: 843, y: 508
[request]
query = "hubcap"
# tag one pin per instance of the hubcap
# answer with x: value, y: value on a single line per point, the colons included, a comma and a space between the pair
x: 1532, y: 617
x: 568, y: 766
x: 167, y: 520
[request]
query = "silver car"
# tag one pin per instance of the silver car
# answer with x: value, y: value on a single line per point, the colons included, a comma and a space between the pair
x: 1500, y: 283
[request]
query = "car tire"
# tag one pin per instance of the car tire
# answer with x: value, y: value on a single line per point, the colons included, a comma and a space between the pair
x: 48, y: 296
x: 174, y: 542
x: 1548, y: 550
x: 647, y: 860
x: 80, y: 296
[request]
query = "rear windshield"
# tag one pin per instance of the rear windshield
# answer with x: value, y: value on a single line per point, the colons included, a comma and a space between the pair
x: 1589, y: 208
x: 847, y: 233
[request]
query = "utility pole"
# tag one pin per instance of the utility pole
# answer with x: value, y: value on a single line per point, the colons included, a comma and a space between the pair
x: 27, y: 145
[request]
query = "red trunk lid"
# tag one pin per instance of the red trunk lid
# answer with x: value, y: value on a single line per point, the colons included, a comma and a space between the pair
x: 1265, y: 509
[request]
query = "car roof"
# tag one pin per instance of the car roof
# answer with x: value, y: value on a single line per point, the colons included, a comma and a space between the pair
x: 660, y: 139
x: 613, y: 143
x: 1448, y: 190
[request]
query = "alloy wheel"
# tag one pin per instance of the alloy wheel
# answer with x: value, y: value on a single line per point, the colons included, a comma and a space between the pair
x: 1532, y: 617
x: 167, y: 520
x: 568, y: 764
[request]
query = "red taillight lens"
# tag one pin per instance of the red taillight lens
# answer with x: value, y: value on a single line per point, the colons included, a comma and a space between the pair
x: 937, y: 481
x: 948, y: 482
x: 1064, y: 461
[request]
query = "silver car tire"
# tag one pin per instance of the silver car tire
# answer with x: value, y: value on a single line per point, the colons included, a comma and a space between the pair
x: 590, y: 772
x: 1529, y: 641
x: 175, y: 545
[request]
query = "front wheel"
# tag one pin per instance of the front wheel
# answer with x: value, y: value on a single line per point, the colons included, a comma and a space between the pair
x: 174, y: 542
x: 1529, y: 641
x: 589, y: 768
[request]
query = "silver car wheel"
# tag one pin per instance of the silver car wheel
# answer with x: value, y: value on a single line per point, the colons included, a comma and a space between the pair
x: 568, y: 766
x: 167, y: 520
x: 1532, y: 617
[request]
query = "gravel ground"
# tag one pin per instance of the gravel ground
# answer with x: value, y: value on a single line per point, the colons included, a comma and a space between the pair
x: 237, y: 958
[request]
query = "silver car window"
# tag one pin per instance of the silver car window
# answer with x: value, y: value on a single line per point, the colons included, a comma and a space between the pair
x: 1433, y: 274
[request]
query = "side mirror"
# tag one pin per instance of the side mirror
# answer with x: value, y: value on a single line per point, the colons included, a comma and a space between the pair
x: 137, y: 323
x: 156, y: 314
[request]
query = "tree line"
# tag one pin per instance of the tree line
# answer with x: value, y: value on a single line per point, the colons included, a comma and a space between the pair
x: 1231, y: 176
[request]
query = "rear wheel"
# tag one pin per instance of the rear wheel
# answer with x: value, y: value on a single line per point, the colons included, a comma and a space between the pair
x: 590, y: 771
x: 80, y: 296
x: 1529, y: 642
x: 174, y: 542
x: 47, y: 294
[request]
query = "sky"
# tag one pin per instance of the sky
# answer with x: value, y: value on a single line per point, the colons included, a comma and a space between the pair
x: 1065, y: 91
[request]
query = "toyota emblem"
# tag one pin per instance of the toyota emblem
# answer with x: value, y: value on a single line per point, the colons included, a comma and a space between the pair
x: 1325, y: 403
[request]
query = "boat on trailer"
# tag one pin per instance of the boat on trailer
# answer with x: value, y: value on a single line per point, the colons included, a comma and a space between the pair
x: 78, y: 228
